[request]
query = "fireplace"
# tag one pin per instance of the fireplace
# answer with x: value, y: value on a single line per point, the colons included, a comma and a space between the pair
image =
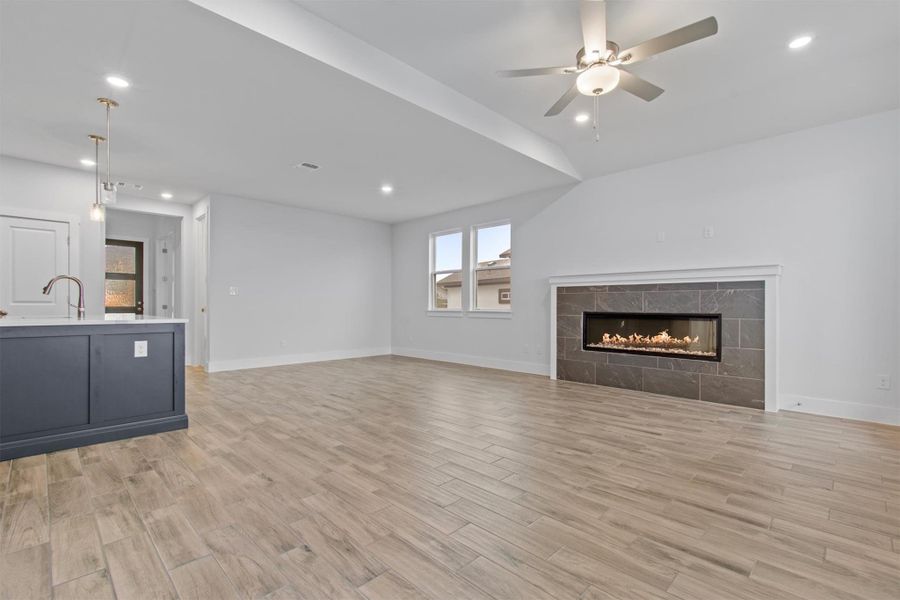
x: 675, y: 335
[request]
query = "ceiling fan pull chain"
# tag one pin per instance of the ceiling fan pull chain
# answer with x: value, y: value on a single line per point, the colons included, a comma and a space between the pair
x: 597, y: 118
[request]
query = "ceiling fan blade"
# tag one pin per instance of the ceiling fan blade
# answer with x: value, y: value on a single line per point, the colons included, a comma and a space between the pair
x: 690, y: 33
x: 563, y: 102
x: 593, y: 27
x: 537, y: 71
x: 641, y: 88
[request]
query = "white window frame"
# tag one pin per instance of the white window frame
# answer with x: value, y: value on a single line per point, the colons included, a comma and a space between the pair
x: 432, y: 309
x: 473, y: 271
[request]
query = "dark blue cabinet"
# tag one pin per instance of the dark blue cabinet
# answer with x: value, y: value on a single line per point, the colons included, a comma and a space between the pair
x: 72, y: 385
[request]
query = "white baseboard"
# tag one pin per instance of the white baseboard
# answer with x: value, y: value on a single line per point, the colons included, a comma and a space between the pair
x: 889, y: 415
x: 216, y: 366
x: 475, y: 361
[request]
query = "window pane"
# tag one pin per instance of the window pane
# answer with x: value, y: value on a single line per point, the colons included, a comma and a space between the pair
x: 448, y: 252
x: 119, y: 293
x: 121, y: 259
x: 493, y: 243
x: 448, y: 291
x: 493, y: 289
x: 493, y: 275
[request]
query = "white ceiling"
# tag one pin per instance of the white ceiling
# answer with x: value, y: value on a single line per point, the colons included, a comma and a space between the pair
x: 215, y: 107
x: 741, y: 84
x: 218, y: 108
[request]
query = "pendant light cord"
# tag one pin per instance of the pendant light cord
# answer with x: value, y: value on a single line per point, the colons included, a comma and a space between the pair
x: 108, y: 182
x: 97, y: 169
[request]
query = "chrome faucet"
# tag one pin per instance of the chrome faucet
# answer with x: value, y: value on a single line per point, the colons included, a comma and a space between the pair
x: 80, y: 306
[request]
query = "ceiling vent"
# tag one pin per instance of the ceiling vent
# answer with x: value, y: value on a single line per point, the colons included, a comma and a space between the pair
x: 308, y: 165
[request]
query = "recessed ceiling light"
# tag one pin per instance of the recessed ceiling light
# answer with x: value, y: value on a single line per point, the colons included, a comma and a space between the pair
x: 387, y: 188
x: 166, y: 195
x: 116, y: 81
x: 87, y: 162
x: 582, y: 117
x: 799, y: 42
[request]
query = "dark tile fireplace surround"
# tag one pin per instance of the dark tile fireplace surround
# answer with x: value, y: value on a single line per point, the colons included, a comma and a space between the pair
x: 737, y: 379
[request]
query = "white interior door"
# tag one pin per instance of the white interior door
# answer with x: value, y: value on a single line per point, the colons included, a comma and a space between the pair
x: 32, y: 252
x: 200, y: 271
x: 164, y: 272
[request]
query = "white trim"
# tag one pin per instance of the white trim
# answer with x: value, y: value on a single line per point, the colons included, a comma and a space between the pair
x: 472, y: 275
x: 292, y: 359
x: 487, y: 313
x: 475, y: 361
x: 438, y: 312
x: 432, y: 272
x: 828, y: 407
x: 671, y: 276
x: 769, y: 274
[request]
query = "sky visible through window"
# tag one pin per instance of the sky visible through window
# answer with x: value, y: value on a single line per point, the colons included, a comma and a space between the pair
x: 448, y: 252
x: 492, y: 241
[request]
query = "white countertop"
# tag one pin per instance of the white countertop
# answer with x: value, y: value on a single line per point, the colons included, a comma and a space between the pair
x: 110, y: 319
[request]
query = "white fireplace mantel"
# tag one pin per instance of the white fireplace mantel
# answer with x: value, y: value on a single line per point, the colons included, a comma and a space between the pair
x: 769, y: 274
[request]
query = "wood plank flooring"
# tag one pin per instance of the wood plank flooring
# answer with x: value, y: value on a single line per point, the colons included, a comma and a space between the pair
x: 390, y: 478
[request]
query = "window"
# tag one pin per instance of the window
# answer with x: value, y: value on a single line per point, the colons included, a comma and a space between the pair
x: 124, y: 277
x: 491, y: 267
x: 445, y: 276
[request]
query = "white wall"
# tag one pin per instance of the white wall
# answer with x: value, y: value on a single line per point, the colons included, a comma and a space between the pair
x: 34, y: 186
x: 822, y: 202
x: 38, y: 187
x: 311, y: 285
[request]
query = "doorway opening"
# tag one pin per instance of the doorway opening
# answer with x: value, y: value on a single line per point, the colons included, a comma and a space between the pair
x: 143, y: 263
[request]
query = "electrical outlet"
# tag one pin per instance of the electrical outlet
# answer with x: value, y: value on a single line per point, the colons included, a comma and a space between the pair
x: 660, y: 236
x: 140, y: 349
x: 233, y: 291
x: 884, y: 382
x: 708, y: 232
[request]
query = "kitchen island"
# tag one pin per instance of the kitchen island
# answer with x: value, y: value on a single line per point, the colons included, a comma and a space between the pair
x: 67, y: 382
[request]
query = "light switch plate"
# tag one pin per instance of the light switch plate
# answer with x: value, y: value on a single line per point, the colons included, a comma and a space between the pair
x: 140, y: 349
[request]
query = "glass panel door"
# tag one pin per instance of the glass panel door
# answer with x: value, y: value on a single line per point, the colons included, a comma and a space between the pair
x: 124, y: 276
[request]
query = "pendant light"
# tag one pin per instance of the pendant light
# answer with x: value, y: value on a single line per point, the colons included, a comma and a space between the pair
x: 108, y: 191
x: 98, y: 211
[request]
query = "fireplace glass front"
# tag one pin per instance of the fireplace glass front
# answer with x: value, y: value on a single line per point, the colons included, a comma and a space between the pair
x: 695, y: 336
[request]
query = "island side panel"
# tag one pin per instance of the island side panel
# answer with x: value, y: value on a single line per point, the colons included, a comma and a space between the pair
x: 52, y: 375
x: 126, y: 396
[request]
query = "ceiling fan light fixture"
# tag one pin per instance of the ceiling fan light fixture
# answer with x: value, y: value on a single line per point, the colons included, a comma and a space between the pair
x: 598, y: 80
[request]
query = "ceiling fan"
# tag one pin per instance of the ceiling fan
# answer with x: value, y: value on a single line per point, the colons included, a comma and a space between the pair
x: 599, y: 63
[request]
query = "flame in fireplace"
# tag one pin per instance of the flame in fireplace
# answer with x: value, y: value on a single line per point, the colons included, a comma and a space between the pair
x: 661, y: 342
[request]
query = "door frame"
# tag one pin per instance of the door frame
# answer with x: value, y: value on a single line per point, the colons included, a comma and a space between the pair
x: 201, y: 289
x: 144, y: 269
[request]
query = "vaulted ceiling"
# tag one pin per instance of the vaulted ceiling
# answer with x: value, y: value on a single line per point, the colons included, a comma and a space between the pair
x: 228, y: 95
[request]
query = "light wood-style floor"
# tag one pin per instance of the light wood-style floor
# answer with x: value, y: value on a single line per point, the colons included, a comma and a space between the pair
x: 391, y: 479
